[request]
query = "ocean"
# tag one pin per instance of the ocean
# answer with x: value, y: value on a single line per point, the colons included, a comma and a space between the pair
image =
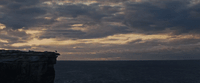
x: 166, y: 71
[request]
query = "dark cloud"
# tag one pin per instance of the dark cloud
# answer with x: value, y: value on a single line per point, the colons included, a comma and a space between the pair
x: 93, y: 32
x: 175, y: 15
x: 75, y: 10
x: 103, y: 30
x: 91, y: 16
x: 22, y: 13
x: 30, y: 11
x: 14, y: 36
x: 62, y: 33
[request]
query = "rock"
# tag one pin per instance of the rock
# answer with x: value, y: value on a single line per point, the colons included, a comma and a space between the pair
x: 27, y: 67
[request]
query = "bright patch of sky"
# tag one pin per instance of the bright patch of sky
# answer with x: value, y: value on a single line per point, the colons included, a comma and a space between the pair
x: 2, y: 26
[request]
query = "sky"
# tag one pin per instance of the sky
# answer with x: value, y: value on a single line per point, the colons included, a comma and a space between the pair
x: 103, y: 29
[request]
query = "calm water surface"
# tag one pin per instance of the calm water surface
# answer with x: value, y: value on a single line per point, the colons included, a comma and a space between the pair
x: 175, y: 71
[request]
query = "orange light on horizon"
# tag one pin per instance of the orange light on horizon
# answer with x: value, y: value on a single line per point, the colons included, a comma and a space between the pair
x: 118, y: 39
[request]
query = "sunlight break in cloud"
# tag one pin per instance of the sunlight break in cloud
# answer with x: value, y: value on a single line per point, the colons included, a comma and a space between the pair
x: 2, y: 26
x: 44, y: 42
x: 4, y: 41
x: 114, y: 39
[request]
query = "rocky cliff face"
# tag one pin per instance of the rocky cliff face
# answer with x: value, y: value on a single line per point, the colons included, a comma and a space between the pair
x: 27, y: 67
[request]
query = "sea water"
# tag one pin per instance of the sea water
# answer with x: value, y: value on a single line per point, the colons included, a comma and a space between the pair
x: 168, y: 71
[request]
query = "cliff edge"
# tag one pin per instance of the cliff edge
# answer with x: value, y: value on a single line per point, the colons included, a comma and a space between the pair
x: 27, y: 67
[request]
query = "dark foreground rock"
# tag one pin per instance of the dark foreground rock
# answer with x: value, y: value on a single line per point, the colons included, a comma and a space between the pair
x: 27, y: 67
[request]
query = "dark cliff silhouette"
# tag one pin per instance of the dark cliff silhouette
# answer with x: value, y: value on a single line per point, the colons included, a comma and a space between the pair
x: 27, y: 67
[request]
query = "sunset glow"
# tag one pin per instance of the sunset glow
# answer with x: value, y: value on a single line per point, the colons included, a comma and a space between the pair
x: 103, y: 29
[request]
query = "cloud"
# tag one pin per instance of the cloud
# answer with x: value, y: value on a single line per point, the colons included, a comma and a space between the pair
x: 13, y: 36
x: 102, y: 29
x: 159, y: 16
x: 21, y: 13
x: 92, y: 11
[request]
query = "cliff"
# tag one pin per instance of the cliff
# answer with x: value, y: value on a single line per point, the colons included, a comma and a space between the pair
x: 27, y: 67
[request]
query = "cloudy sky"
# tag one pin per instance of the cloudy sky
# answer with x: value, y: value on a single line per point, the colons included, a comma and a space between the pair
x: 103, y: 29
